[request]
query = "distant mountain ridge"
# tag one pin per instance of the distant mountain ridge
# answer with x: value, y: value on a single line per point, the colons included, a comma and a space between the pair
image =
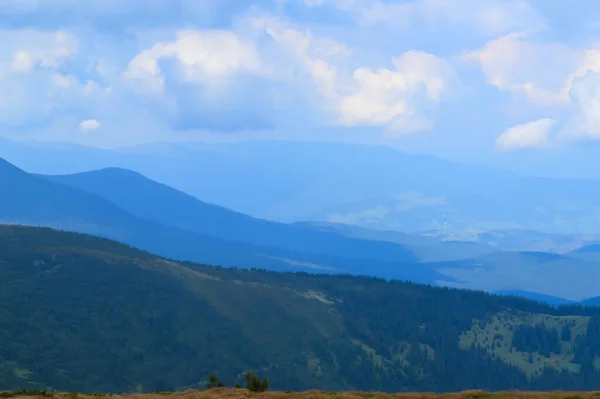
x: 150, y: 200
x: 369, y: 186
x: 553, y: 275
x: 133, y: 209
x: 547, y: 299
x: 35, y: 200
x: 31, y: 200
x: 425, y: 248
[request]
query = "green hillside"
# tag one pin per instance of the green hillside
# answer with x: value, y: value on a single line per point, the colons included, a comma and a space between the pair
x: 78, y: 313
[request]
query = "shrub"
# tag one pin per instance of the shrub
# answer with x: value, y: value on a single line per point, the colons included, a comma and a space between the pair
x: 214, y: 382
x: 254, y: 384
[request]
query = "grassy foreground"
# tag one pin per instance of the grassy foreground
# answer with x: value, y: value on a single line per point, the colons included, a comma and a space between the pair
x: 226, y: 393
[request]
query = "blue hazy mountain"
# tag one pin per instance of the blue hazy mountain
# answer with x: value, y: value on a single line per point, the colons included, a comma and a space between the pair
x: 550, y: 274
x: 536, y: 275
x: 595, y: 301
x: 128, y: 207
x: 547, y: 299
x: 150, y: 200
x: 589, y: 252
x: 30, y: 200
x: 425, y: 247
x: 369, y: 186
x: 33, y: 200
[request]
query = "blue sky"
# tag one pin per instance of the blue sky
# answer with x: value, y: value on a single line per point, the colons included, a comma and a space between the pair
x: 502, y: 82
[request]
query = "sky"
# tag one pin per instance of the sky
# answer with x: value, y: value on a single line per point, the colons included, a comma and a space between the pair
x: 513, y: 83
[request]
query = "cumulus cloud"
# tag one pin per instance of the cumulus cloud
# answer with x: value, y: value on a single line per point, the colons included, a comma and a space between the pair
x: 270, y: 72
x: 306, y: 53
x: 584, y: 121
x: 535, y: 134
x: 533, y: 70
x: 551, y: 75
x: 203, y: 80
x: 228, y: 65
x: 202, y: 57
x: 397, y: 98
x: 40, y: 49
x: 37, y: 79
x: 208, y: 75
x: 89, y: 124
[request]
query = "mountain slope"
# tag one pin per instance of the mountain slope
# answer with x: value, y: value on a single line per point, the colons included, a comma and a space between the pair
x: 154, y: 201
x: 82, y: 313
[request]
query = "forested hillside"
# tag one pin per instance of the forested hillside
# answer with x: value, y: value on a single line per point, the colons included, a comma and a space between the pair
x: 78, y: 313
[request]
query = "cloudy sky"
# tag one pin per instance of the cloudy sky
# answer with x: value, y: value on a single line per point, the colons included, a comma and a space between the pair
x: 497, y: 81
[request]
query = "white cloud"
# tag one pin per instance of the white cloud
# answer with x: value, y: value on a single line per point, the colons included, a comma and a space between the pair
x: 318, y: 70
x: 43, y: 50
x: 90, y: 124
x: 266, y: 70
x: 584, y: 121
x: 395, y: 98
x: 534, y: 134
x: 40, y: 79
x: 204, y: 57
x: 391, y: 98
x: 546, y: 75
x: 535, y: 71
x: 589, y: 62
x: 307, y: 52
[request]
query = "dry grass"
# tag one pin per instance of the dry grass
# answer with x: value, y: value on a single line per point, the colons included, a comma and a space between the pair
x: 243, y: 394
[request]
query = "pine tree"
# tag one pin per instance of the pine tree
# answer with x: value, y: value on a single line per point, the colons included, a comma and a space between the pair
x: 254, y: 384
x: 565, y: 334
x: 214, y: 382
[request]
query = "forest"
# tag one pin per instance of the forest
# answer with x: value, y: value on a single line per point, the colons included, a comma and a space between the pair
x: 79, y: 313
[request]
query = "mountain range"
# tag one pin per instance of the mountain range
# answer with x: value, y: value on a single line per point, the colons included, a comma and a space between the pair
x: 44, y: 201
x: 150, y: 200
x: 128, y: 207
x: 368, y: 186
